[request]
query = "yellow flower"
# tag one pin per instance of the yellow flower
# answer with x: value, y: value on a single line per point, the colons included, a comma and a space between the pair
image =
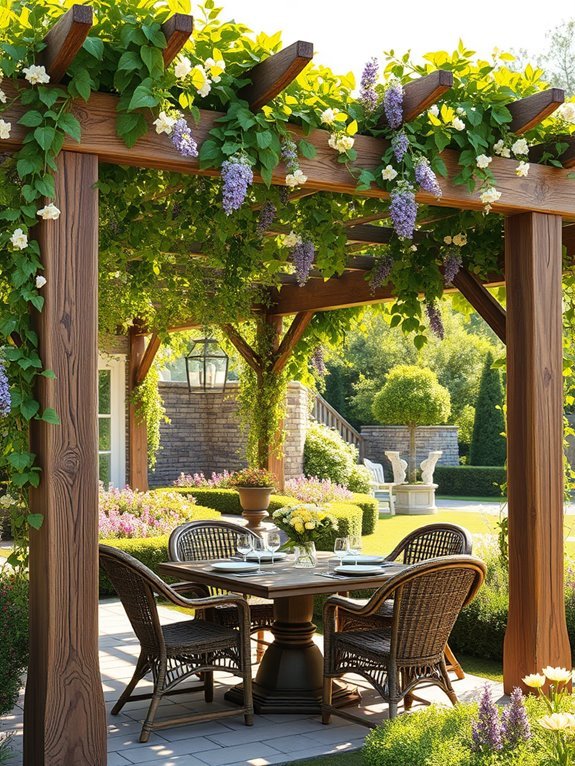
x: 535, y: 681
x: 559, y: 675
x: 310, y: 525
x: 558, y: 721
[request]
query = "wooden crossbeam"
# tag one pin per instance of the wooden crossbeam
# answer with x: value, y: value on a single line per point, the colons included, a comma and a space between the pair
x: 243, y: 348
x: 420, y: 94
x: 567, y: 157
x: 177, y: 31
x: 482, y: 301
x: 529, y: 112
x: 272, y: 75
x: 148, y: 358
x: 65, y: 39
x: 290, y: 340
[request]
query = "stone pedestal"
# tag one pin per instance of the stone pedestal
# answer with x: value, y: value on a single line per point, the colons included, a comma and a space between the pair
x: 415, y: 499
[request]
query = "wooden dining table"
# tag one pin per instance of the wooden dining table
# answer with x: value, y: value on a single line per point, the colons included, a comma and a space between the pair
x: 289, y: 678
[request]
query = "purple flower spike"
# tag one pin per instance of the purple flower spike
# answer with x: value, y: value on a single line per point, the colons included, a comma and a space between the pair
x: 267, y: 217
x: 399, y: 144
x: 514, y: 724
x: 426, y: 178
x: 451, y: 266
x: 318, y: 361
x: 393, y: 105
x: 238, y: 176
x: 486, y: 731
x: 403, y: 210
x: 5, y: 398
x: 183, y: 139
x: 367, y: 94
x: 289, y: 155
x: 302, y: 259
x: 435, y: 321
x: 380, y: 273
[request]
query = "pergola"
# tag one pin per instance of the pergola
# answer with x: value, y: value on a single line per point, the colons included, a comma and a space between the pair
x: 64, y: 708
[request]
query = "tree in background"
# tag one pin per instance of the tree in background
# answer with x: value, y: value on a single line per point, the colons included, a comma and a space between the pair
x: 488, y: 446
x: 412, y: 396
x: 557, y: 61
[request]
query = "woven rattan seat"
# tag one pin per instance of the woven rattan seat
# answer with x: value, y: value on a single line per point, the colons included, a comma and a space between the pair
x: 408, y: 651
x: 174, y: 653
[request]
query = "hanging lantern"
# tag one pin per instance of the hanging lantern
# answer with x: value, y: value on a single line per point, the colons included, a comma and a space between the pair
x: 206, y: 366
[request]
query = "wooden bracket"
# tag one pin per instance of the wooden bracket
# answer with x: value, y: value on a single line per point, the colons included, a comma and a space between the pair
x: 296, y: 330
x: 177, y: 31
x: 529, y: 112
x: 243, y: 348
x: 148, y: 358
x: 65, y: 39
x: 482, y: 301
x: 420, y: 94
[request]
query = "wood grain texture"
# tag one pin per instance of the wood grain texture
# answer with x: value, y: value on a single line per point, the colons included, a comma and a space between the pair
x: 243, y: 348
x: 148, y: 358
x: 567, y: 157
x: 64, y: 716
x: 177, y: 31
x: 529, y: 112
x: 546, y: 189
x: 482, y: 301
x: 65, y: 39
x: 420, y: 94
x: 290, y: 340
x: 272, y: 75
x: 138, y: 449
x: 536, y: 631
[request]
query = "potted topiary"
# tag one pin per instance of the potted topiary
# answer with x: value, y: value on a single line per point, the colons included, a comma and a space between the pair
x: 254, y: 486
x: 413, y: 396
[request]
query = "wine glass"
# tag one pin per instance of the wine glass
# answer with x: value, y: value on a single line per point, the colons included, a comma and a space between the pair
x: 259, y: 548
x: 355, y: 546
x: 273, y: 542
x: 341, y: 548
x: 245, y: 544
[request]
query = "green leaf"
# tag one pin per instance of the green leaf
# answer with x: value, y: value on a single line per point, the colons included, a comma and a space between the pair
x: 307, y: 150
x: 45, y: 186
x: 129, y: 61
x: 20, y: 460
x: 70, y: 125
x: 50, y: 374
x: 29, y: 408
x: 152, y: 58
x: 50, y: 416
x: 49, y: 96
x: 142, y: 97
x: 95, y: 47
x: 35, y: 520
x: 130, y: 127
x: 31, y: 119
x: 264, y: 139
x: 81, y: 85
x: 45, y: 137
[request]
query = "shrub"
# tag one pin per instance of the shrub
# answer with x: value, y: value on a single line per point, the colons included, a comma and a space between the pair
x: 222, y: 500
x: 151, y: 551
x: 488, y: 446
x: 370, y: 512
x: 360, y: 479
x: 349, y: 518
x: 13, y: 637
x: 327, y: 456
x: 470, y: 480
x: 313, y: 490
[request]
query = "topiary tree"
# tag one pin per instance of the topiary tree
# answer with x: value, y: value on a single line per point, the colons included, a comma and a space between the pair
x: 488, y: 446
x: 412, y: 396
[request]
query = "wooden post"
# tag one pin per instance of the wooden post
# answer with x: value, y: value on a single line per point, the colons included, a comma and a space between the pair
x: 536, y: 630
x: 64, y: 714
x: 138, y: 433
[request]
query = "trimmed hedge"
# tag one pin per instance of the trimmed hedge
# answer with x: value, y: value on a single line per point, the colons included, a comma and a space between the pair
x: 470, y: 480
x: 222, y: 500
x: 370, y: 510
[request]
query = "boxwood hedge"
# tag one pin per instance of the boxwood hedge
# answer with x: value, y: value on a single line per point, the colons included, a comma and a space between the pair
x: 470, y: 480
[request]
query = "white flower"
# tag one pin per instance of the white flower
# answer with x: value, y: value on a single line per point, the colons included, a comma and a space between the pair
x: 457, y: 123
x: 558, y: 721
x: 490, y: 195
x: 483, y: 161
x: 36, y: 75
x: 200, y: 80
x: 183, y: 68
x: 460, y: 111
x: 291, y: 240
x: 389, y: 173
x: 559, y: 675
x: 434, y: 110
x: 297, y: 178
x: 19, y: 239
x: 164, y: 123
x: 340, y: 143
x: 40, y: 282
x: 522, y: 169
x: 413, y: 248
x: 328, y: 116
x: 216, y: 68
x: 49, y: 213
x: 459, y: 240
x: 520, y: 147
x: 5, y: 128
x: 205, y: 89
x: 534, y: 681
x: 447, y: 240
x: 500, y: 149
x: 3, y: 98
x: 567, y: 112
x: 7, y: 500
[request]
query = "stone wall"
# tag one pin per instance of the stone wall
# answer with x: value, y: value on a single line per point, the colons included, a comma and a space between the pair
x: 378, y: 439
x: 204, y: 434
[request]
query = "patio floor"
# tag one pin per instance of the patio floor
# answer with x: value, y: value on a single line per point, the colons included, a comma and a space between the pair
x: 273, y: 739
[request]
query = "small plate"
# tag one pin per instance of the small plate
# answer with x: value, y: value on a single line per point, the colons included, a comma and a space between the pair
x: 234, y: 566
x: 267, y: 557
x: 358, y: 569
x: 363, y: 558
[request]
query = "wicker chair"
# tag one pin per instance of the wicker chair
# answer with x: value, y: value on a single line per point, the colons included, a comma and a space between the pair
x: 173, y: 653
x: 395, y: 659
x: 209, y: 540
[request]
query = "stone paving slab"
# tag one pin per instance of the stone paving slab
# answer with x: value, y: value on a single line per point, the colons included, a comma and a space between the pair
x: 274, y: 739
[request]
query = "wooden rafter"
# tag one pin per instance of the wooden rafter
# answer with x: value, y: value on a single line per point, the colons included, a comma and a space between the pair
x: 290, y: 340
x: 567, y: 157
x: 420, y: 94
x: 243, y: 348
x: 482, y: 301
x: 529, y: 112
x: 272, y: 75
x: 65, y: 39
x: 148, y: 358
x: 177, y: 31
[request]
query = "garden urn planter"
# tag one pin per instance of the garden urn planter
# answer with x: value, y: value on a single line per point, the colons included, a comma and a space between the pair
x: 414, y: 499
x: 255, y: 502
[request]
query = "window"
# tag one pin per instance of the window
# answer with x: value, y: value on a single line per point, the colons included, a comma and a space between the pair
x: 111, y: 420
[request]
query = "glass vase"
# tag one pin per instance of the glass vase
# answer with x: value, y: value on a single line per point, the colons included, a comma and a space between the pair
x: 305, y: 555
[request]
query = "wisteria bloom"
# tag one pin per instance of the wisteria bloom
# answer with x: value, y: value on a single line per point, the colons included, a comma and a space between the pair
x: 238, y: 176
x: 367, y: 94
x: 183, y: 139
x: 5, y: 398
x: 393, y: 104
x: 435, y: 320
x: 403, y: 210
x: 514, y: 722
x: 266, y: 217
x: 486, y: 731
x: 400, y: 144
x: 426, y: 178
x: 302, y: 258
x: 318, y: 361
x: 451, y: 266
x: 380, y: 272
x: 289, y: 155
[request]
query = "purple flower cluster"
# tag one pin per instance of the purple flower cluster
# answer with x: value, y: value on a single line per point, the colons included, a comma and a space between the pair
x: 393, y: 105
x: 302, y: 258
x: 183, y: 139
x: 266, y: 217
x: 380, y: 272
x: 284, y: 195
x: 486, y: 731
x: 367, y: 94
x: 403, y: 210
x: 313, y: 490
x: 451, y: 265
x: 399, y: 144
x: 318, y: 361
x: 289, y: 155
x: 5, y: 398
x: 514, y: 722
x: 238, y: 176
x: 128, y: 513
x: 199, y: 480
x: 435, y: 320
x: 426, y: 178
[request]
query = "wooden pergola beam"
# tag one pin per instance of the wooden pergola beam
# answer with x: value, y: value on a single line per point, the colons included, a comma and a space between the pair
x: 290, y: 340
x: 148, y: 358
x: 567, y: 158
x: 482, y: 301
x: 65, y: 39
x: 243, y: 348
x: 529, y: 112
x: 274, y: 74
x: 177, y: 31
x: 420, y: 94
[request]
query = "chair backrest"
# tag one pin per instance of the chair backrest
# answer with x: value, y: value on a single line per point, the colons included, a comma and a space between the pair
x: 136, y: 585
x: 428, y: 598
x: 205, y: 540
x: 376, y: 470
x: 432, y: 541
